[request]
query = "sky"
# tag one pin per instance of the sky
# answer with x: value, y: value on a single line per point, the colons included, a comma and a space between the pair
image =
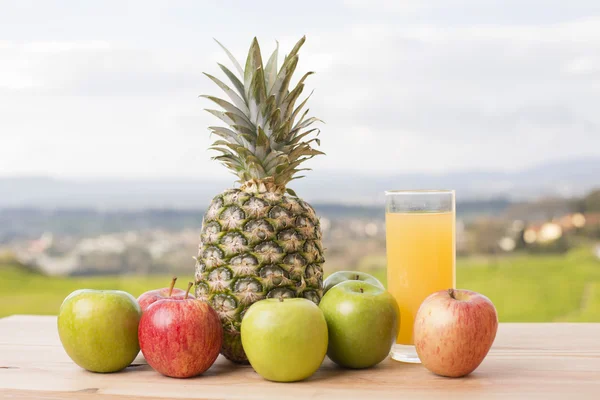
x: 110, y: 89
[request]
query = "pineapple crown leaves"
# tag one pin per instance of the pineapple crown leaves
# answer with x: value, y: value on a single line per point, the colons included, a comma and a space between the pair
x: 268, y: 136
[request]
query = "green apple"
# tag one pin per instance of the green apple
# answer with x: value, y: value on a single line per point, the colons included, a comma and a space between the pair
x: 362, y: 320
x: 99, y: 329
x: 343, y: 276
x: 285, y: 340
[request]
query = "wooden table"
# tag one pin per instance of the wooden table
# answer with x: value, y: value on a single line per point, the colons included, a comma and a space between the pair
x: 527, y: 361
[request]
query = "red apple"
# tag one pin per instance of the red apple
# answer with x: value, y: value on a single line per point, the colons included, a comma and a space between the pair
x: 454, y: 330
x: 151, y: 296
x: 180, y: 338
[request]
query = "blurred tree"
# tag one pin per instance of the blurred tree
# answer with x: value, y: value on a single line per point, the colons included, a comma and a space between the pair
x: 485, y: 234
x: 520, y: 242
x: 99, y: 263
x: 542, y: 210
x: 560, y: 245
x: 591, y: 202
x: 137, y: 259
x: 591, y: 231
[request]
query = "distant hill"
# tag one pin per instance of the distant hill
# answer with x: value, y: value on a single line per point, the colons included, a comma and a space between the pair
x: 561, y: 178
x: 18, y: 223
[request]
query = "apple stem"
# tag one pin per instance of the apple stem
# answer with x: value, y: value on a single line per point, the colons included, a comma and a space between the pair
x: 172, y: 285
x: 361, y: 290
x: 451, y: 293
x: 187, y: 293
x: 356, y: 277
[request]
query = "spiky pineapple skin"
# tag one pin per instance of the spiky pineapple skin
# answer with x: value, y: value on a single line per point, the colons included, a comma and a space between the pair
x: 255, y: 246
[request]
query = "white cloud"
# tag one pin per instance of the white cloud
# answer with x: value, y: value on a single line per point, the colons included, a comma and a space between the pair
x: 395, y: 6
x: 583, y: 65
x: 61, y: 47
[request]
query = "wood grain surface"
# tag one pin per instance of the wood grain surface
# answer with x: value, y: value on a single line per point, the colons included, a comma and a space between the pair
x: 527, y: 361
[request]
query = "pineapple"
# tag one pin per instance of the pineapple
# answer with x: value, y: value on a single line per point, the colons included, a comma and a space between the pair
x: 259, y: 240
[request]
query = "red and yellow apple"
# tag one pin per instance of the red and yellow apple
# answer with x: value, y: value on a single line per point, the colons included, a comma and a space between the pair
x: 454, y: 330
x: 152, y: 296
x: 180, y: 338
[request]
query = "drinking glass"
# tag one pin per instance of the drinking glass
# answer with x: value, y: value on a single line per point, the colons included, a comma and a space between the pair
x: 420, y: 244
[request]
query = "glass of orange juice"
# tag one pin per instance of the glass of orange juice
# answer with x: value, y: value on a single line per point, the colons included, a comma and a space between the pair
x: 420, y: 244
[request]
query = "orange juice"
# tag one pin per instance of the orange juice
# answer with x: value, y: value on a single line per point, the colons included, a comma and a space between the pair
x: 420, y: 257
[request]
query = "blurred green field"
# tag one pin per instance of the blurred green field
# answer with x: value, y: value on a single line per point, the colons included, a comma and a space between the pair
x: 523, y: 287
x: 532, y: 288
x: 26, y: 292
